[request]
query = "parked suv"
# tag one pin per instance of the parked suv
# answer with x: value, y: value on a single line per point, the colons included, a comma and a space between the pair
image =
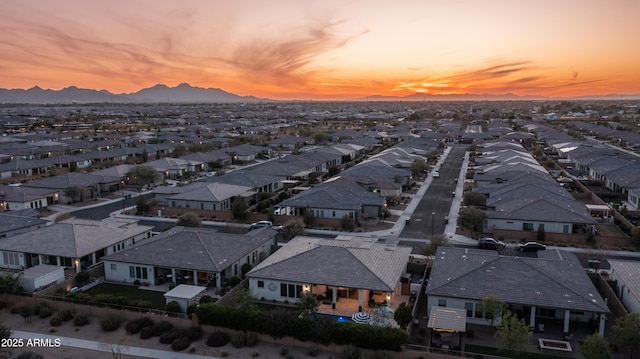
x: 490, y: 243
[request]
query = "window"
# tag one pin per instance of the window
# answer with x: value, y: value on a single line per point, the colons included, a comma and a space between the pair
x: 11, y: 258
x: 113, y: 266
x: 469, y: 308
x: 260, y: 284
x: 442, y: 302
x: 546, y: 312
x: 527, y: 226
x: 565, y: 228
x: 138, y: 272
x: 290, y: 290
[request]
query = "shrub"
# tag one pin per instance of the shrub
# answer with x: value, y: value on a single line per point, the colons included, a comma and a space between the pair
x: 313, y: 351
x: 350, y: 352
x: 144, y: 304
x: 45, y: 312
x: 251, y: 339
x: 217, y: 339
x: 29, y: 355
x: 80, y: 319
x: 163, y: 327
x: 193, y: 333
x: 255, y: 354
x: 206, y: 299
x: 147, y: 332
x: 171, y: 335
x: 239, y: 339
x: 67, y: 315
x: 56, y: 320
x: 173, y: 307
x: 284, y: 350
x: 132, y: 328
x: 110, y: 323
x: 180, y: 344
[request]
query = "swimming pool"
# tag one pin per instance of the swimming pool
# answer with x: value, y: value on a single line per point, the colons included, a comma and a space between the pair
x: 337, y: 318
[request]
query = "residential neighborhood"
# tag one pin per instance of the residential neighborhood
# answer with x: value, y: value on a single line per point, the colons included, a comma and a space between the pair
x: 443, y: 221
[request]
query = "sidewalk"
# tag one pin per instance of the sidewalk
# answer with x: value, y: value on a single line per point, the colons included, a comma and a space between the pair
x: 105, y: 347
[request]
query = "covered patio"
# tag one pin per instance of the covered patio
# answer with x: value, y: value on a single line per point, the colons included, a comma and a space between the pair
x: 447, y: 326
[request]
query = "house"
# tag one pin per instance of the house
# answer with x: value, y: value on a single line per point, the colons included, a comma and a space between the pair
x: 346, y: 267
x: 22, y: 168
x: 551, y: 285
x: 340, y: 198
x: 12, y: 224
x: 213, y: 196
x: 14, y: 198
x: 627, y: 282
x: 72, y: 243
x: 88, y: 185
x: 184, y: 255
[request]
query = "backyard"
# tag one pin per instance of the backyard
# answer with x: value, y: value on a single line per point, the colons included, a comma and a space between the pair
x: 132, y: 293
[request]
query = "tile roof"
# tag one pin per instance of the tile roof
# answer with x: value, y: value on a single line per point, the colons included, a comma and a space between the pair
x: 557, y: 280
x: 354, y: 262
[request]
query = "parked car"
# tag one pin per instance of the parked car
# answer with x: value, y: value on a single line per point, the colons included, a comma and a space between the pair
x: 436, y: 174
x: 261, y: 224
x: 531, y: 247
x: 490, y: 243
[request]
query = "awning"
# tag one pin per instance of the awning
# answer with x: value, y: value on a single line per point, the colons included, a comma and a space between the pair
x: 447, y: 319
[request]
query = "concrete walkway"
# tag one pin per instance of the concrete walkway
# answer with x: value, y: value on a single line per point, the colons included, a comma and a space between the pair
x: 106, y: 347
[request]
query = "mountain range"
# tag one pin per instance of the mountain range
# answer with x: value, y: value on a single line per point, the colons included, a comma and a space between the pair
x: 185, y: 93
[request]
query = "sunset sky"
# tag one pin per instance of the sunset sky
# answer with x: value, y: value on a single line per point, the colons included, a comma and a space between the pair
x: 325, y: 49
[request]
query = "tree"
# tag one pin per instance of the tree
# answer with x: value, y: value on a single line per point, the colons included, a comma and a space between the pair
x: 245, y: 268
x: 402, y: 315
x: 540, y: 235
x: 142, y: 175
x: 73, y: 193
x: 475, y: 199
x: 214, y: 165
x: 492, y: 308
x: 5, y: 331
x: 512, y: 334
x: 436, y: 241
x: 9, y: 283
x: 142, y: 207
x: 418, y: 168
x: 189, y: 220
x: 307, y: 304
x: 243, y: 300
x: 471, y: 218
x: 595, y: 347
x: 73, y: 166
x: 332, y: 171
x: 239, y: 208
x: 626, y: 334
x: 292, y: 230
x: 308, y: 217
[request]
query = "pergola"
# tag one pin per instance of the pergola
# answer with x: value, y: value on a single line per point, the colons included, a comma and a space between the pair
x: 445, y: 322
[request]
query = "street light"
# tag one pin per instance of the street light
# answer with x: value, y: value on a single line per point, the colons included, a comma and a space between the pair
x: 433, y: 214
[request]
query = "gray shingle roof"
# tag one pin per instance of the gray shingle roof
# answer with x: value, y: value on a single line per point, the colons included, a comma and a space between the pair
x: 203, y: 249
x: 354, y: 263
x: 555, y: 281
x: 73, y: 238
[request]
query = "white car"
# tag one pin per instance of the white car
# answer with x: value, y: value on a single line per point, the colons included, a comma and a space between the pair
x: 261, y: 224
x: 436, y: 174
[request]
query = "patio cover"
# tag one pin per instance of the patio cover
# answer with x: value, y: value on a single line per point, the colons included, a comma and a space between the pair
x: 447, y: 319
x: 184, y: 291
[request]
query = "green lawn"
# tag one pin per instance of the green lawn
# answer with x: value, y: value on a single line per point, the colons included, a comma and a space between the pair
x: 470, y: 348
x: 131, y: 292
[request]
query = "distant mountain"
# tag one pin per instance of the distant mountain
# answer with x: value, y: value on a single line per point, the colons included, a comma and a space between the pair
x: 182, y: 93
x: 186, y: 93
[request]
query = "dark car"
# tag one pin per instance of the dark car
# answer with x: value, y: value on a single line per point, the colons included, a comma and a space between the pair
x: 490, y: 243
x: 531, y: 247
